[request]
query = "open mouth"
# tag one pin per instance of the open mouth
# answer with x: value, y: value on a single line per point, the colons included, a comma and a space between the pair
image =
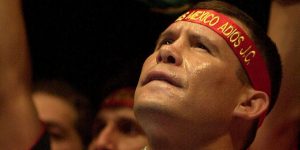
x: 160, y: 76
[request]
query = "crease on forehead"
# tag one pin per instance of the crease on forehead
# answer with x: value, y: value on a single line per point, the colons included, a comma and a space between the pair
x: 174, y: 29
x: 200, y: 31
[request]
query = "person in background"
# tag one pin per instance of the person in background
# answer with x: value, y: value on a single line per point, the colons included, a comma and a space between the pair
x: 65, y: 113
x: 115, y: 126
x: 281, y: 129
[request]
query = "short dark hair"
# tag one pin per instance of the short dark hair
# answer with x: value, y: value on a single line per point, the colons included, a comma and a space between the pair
x: 72, y: 96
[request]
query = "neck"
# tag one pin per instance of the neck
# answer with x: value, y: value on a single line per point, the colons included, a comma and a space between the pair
x: 166, y: 131
x: 178, y: 137
x: 243, y: 132
x: 224, y: 143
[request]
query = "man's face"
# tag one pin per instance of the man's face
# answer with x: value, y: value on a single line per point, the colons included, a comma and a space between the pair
x: 59, y: 118
x: 117, y: 129
x: 190, y: 81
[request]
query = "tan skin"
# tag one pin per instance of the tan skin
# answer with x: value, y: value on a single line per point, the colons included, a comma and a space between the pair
x: 18, y: 118
x: 117, y: 129
x: 59, y: 118
x: 183, y: 87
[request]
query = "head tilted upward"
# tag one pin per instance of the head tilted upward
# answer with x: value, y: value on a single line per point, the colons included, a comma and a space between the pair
x: 208, y: 80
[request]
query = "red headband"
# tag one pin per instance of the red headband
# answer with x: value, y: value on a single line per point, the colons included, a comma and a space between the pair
x: 118, y: 103
x: 242, y: 46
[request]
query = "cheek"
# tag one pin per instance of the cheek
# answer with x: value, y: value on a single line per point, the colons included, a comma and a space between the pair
x: 204, y: 76
x: 210, y: 99
x: 211, y: 76
x: 211, y: 82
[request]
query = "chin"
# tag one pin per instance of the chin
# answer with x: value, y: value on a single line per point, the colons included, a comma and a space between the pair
x: 154, y: 118
x: 157, y: 105
x: 150, y: 107
x: 161, y: 122
x: 153, y: 113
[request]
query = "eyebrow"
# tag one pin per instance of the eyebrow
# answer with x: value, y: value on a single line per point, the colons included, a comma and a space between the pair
x: 126, y: 119
x: 53, y: 125
x: 50, y: 124
x: 165, y: 34
x: 192, y: 35
x: 206, y: 41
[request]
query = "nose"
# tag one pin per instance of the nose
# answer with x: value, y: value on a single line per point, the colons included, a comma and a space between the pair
x: 106, y: 140
x: 169, y: 54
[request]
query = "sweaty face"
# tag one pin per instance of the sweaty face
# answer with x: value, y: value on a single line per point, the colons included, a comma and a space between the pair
x: 59, y: 118
x: 190, y: 81
x: 117, y: 129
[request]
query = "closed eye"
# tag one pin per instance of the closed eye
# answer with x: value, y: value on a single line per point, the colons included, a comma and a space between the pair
x: 163, y: 42
x: 166, y: 42
x: 166, y: 38
x: 201, y: 46
x: 201, y: 43
x: 129, y: 127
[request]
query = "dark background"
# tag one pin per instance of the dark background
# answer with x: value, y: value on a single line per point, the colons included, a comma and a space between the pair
x: 99, y: 45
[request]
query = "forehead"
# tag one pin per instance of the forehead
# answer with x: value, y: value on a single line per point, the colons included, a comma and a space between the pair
x: 192, y: 32
x: 54, y: 109
x: 192, y: 29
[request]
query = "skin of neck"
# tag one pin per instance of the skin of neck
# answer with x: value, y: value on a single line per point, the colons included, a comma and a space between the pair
x: 167, y: 143
x: 180, y: 136
x: 184, y: 136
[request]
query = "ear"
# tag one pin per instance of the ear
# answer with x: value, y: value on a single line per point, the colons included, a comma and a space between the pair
x: 254, y: 104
